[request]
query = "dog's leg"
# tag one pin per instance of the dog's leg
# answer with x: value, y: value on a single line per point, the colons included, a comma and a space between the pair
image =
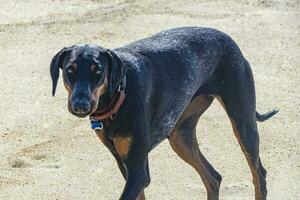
x: 238, y: 99
x: 247, y: 135
x: 184, y: 142
x: 110, y: 145
x: 138, y: 178
x: 245, y: 130
x: 141, y: 196
x: 135, y: 160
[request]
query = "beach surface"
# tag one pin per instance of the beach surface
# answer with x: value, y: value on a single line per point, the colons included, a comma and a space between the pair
x: 46, y: 153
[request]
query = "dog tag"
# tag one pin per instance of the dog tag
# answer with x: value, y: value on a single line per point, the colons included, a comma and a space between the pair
x: 96, y: 124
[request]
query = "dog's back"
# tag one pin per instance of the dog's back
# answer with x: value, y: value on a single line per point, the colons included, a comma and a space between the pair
x: 179, y: 63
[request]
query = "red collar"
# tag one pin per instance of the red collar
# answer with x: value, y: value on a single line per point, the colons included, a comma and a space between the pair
x: 114, y: 105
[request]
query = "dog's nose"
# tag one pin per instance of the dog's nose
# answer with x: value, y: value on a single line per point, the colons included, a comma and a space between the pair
x: 81, y: 107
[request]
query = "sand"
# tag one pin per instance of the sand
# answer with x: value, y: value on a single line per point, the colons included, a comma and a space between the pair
x: 46, y: 153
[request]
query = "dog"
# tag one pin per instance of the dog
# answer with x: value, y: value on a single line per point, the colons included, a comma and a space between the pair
x: 157, y: 88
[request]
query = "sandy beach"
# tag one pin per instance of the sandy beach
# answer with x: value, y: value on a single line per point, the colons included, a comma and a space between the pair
x: 46, y: 153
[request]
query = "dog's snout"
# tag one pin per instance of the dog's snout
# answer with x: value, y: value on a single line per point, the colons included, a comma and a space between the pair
x: 81, y: 107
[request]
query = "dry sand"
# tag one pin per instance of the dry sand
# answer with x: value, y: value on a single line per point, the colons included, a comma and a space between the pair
x: 46, y: 153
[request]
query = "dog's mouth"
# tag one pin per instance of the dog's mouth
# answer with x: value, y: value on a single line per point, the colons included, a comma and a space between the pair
x: 81, y: 115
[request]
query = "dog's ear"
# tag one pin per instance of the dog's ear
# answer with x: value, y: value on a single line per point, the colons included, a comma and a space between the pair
x: 56, y: 63
x: 116, y: 71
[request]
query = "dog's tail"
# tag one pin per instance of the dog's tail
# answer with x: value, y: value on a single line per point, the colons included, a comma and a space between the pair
x: 265, y: 116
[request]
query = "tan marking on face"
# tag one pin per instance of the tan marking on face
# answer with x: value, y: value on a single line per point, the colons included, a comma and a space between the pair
x: 67, y: 88
x: 122, y: 145
x: 69, y: 91
x: 74, y: 66
x: 98, y: 92
x: 101, y: 89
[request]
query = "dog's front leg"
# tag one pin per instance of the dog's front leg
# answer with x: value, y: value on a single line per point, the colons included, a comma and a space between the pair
x: 136, y: 163
x: 138, y: 179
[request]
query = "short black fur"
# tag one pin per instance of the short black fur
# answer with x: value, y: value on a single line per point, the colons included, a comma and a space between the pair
x: 166, y: 74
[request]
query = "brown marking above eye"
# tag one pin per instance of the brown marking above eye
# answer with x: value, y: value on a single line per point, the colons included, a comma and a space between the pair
x: 72, y: 68
x: 95, y: 68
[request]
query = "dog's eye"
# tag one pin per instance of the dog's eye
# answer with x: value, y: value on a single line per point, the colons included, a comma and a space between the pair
x: 70, y: 71
x: 96, y: 69
x: 97, y: 72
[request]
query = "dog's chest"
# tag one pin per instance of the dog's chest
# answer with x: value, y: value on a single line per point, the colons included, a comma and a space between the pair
x: 122, y: 145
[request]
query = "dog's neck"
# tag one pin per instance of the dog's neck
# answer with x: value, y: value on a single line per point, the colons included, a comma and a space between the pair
x: 104, y: 100
x: 110, y: 102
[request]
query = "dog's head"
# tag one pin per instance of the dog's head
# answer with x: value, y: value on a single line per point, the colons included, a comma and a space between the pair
x: 88, y: 72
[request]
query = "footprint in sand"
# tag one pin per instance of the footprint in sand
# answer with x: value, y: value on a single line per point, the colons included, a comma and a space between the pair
x: 19, y: 163
x: 37, y: 156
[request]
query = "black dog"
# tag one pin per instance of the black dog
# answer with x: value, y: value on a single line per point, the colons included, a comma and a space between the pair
x: 169, y: 79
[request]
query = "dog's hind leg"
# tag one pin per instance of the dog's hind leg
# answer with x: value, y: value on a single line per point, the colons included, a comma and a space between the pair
x: 184, y: 142
x: 238, y: 99
x: 245, y: 130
